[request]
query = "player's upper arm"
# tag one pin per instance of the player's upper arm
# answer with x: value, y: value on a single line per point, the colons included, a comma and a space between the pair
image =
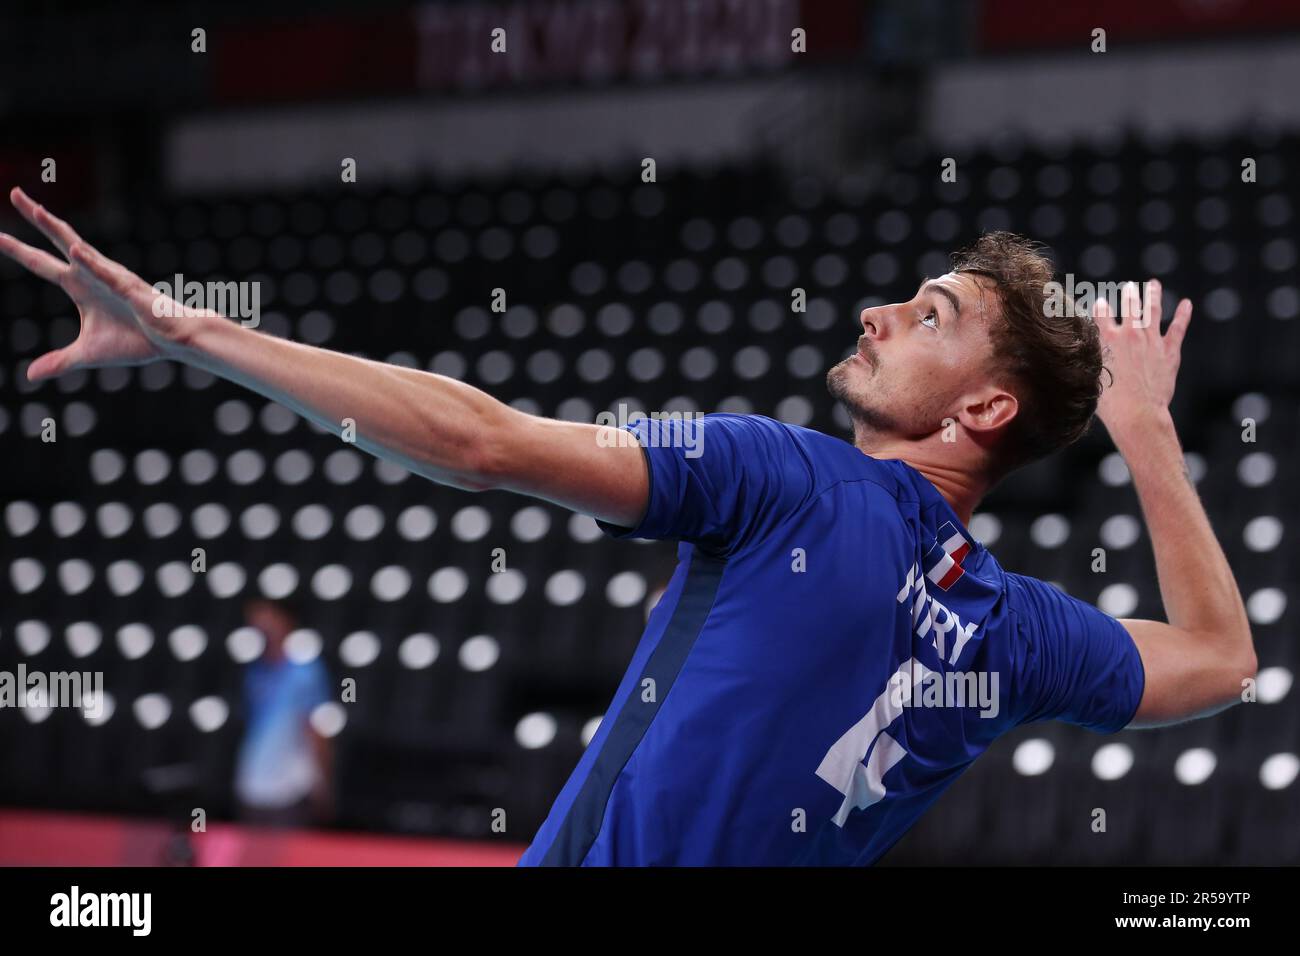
x: 1073, y: 662
x: 718, y: 480
x: 1187, y: 675
x: 579, y: 466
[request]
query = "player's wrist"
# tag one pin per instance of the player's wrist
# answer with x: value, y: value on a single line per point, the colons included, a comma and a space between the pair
x: 1137, y: 425
x: 190, y: 340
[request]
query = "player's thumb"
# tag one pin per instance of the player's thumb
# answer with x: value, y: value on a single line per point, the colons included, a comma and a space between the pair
x: 51, y: 364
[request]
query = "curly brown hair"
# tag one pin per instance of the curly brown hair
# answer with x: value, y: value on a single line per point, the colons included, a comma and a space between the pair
x: 1051, y: 363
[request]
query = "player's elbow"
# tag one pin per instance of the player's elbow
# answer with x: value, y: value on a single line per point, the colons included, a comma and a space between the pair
x: 1233, y: 647
x: 485, y: 458
x: 477, y: 470
x: 465, y: 444
x: 1248, y: 666
x: 1245, y: 665
x: 1222, y: 663
x: 1238, y: 669
x: 461, y: 464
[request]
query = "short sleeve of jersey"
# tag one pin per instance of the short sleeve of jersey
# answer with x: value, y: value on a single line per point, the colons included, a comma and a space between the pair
x: 1073, y: 662
x: 720, y: 480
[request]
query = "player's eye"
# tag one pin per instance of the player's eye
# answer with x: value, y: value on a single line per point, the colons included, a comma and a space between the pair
x: 932, y: 317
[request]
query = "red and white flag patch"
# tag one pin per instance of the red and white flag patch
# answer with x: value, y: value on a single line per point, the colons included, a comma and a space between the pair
x: 945, y: 556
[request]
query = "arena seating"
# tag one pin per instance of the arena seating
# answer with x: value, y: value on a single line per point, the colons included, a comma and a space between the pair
x: 477, y: 689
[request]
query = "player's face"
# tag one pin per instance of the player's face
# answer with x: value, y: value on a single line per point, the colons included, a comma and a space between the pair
x: 917, y: 359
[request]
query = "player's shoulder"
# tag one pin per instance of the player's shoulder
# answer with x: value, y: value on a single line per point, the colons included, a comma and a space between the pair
x: 1025, y: 595
x: 827, y: 458
x: 1024, y: 588
x: 1045, y: 605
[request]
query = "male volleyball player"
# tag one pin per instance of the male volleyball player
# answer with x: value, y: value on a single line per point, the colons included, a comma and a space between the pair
x: 834, y: 648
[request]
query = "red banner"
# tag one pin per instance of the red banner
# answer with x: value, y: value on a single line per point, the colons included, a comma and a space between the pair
x: 29, y: 838
x: 447, y: 46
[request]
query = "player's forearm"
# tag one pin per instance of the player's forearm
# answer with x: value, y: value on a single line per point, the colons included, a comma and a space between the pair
x: 1196, y: 583
x: 433, y: 425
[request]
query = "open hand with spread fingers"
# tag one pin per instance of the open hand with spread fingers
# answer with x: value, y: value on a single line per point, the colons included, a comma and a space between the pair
x: 1143, y: 364
x: 123, y: 318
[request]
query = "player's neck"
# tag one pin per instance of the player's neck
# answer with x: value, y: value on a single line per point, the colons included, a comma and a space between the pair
x: 958, y: 486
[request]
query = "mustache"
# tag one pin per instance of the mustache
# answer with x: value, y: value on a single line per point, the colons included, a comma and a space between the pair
x: 868, y: 351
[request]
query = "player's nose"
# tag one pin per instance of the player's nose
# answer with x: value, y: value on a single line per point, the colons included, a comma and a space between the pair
x: 875, y: 321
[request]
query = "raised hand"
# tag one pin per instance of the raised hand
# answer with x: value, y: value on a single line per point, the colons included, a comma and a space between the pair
x: 120, y: 323
x: 1143, y: 363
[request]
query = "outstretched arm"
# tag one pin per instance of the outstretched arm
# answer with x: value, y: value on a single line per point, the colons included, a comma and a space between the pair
x: 435, y: 426
x: 1196, y: 664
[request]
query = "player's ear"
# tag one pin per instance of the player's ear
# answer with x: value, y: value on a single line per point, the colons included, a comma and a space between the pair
x: 988, y: 411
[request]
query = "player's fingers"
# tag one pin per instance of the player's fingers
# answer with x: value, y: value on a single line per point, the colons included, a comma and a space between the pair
x: 1130, y: 305
x: 55, y: 229
x: 1152, y: 305
x: 1178, y: 325
x: 1103, y: 317
x: 36, y: 261
x: 116, y: 277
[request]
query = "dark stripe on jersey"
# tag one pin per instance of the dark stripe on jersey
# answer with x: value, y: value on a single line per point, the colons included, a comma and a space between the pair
x: 582, y: 823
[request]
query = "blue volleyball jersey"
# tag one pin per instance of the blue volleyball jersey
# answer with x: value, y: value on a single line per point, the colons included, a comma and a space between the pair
x: 832, y: 651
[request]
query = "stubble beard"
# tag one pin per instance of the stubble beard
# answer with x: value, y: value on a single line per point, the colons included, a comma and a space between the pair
x: 867, y: 419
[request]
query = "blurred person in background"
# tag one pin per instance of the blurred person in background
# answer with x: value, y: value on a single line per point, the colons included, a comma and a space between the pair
x: 283, y: 775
